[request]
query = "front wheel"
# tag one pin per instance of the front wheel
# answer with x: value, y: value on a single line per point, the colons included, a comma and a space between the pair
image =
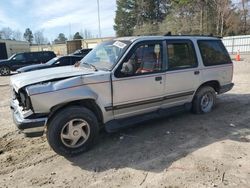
x: 204, y: 100
x: 72, y: 131
x: 4, y: 70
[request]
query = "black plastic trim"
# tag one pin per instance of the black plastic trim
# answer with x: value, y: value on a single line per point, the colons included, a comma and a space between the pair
x: 128, y: 105
x: 117, y: 124
x: 226, y: 88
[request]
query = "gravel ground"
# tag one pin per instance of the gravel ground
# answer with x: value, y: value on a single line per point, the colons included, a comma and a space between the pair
x: 185, y: 150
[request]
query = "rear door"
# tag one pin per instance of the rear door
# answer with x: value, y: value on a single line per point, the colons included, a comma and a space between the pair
x: 182, y: 75
x: 32, y: 58
x: 45, y: 56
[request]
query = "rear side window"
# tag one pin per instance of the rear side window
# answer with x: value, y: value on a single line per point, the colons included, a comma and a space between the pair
x: 46, y: 56
x: 181, y: 55
x: 213, y: 52
x: 31, y: 56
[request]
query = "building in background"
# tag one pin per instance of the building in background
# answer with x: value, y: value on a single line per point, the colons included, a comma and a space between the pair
x: 10, y: 47
x: 59, y: 49
x: 70, y: 46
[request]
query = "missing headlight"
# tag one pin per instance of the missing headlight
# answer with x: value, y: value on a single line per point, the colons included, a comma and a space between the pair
x: 24, y: 100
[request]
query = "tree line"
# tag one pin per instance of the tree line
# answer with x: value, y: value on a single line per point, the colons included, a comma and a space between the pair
x: 217, y: 17
x: 38, y: 36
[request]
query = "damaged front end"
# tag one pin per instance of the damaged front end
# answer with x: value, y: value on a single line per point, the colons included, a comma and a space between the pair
x: 32, y: 96
x: 26, y: 120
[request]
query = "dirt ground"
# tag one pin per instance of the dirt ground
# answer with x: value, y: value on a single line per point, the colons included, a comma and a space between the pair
x: 184, y: 150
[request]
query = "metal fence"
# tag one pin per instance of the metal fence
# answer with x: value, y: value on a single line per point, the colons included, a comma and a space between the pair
x: 236, y: 44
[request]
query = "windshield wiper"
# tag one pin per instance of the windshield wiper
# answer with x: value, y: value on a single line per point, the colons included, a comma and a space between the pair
x: 90, y: 65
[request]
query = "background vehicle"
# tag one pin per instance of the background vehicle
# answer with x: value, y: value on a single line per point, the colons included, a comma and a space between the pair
x: 82, y: 52
x: 119, y: 83
x: 19, y: 60
x: 55, y: 62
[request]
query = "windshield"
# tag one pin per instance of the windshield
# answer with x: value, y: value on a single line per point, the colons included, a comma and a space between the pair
x: 106, y: 54
x: 52, y: 61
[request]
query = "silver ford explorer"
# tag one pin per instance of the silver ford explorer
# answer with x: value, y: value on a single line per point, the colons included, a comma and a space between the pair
x: 120, y: 82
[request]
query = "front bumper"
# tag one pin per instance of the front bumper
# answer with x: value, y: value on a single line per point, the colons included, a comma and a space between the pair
x: 226, y: 88
x: 31, y: 127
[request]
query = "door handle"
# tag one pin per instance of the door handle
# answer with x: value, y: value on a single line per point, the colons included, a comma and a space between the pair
x: 158, y: 78
x: 196, y: 72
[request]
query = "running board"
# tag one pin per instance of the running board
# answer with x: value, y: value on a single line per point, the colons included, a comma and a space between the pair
x: 117, y: 124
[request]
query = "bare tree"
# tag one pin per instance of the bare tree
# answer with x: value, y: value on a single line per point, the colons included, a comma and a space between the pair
x: 6, y: 33
x: 244, y: 15
x: 39, y: 38
x: 86, y: 34
x: 17, y: 35
x: 224, y: 12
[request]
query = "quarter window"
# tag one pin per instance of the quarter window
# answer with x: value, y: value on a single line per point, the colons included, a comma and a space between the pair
x: 181, y: 55
x: 213, y: 52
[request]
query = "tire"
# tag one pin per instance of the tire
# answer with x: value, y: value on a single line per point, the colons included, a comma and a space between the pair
x: 4, y: 71
x: 72, y: 131
x: 204, y: 100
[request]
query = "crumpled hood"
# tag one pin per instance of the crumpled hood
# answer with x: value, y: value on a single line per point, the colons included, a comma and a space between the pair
x: 20, y: 80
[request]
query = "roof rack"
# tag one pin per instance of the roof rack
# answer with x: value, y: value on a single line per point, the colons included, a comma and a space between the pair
x: 194, y: 35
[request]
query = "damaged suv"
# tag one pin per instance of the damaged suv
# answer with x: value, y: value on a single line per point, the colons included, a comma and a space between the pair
x: 120, y: 82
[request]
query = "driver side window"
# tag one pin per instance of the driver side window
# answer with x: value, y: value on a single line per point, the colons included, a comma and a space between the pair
x: 145, y: 59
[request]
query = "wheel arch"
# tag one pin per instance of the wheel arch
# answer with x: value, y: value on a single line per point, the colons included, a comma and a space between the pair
x: 87, y: 103
x: 215, y: 84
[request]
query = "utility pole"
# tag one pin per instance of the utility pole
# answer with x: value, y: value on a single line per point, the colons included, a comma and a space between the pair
x: 99, y: 22
x: 244, y: 16
x: 70, y: 31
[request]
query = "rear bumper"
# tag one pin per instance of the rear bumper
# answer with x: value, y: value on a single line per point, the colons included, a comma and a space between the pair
x: 226, y: 88
x: 30, y: 127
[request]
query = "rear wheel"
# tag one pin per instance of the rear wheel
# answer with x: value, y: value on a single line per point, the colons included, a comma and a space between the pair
x: 204, y: 100
x: 72, y: 131
x: 4, y: 70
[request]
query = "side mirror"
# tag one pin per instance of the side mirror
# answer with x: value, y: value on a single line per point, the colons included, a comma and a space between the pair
x: 57, y: 63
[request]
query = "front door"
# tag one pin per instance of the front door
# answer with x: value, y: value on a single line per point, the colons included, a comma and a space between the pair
x: 19, y: 61
x: 138, y: 82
